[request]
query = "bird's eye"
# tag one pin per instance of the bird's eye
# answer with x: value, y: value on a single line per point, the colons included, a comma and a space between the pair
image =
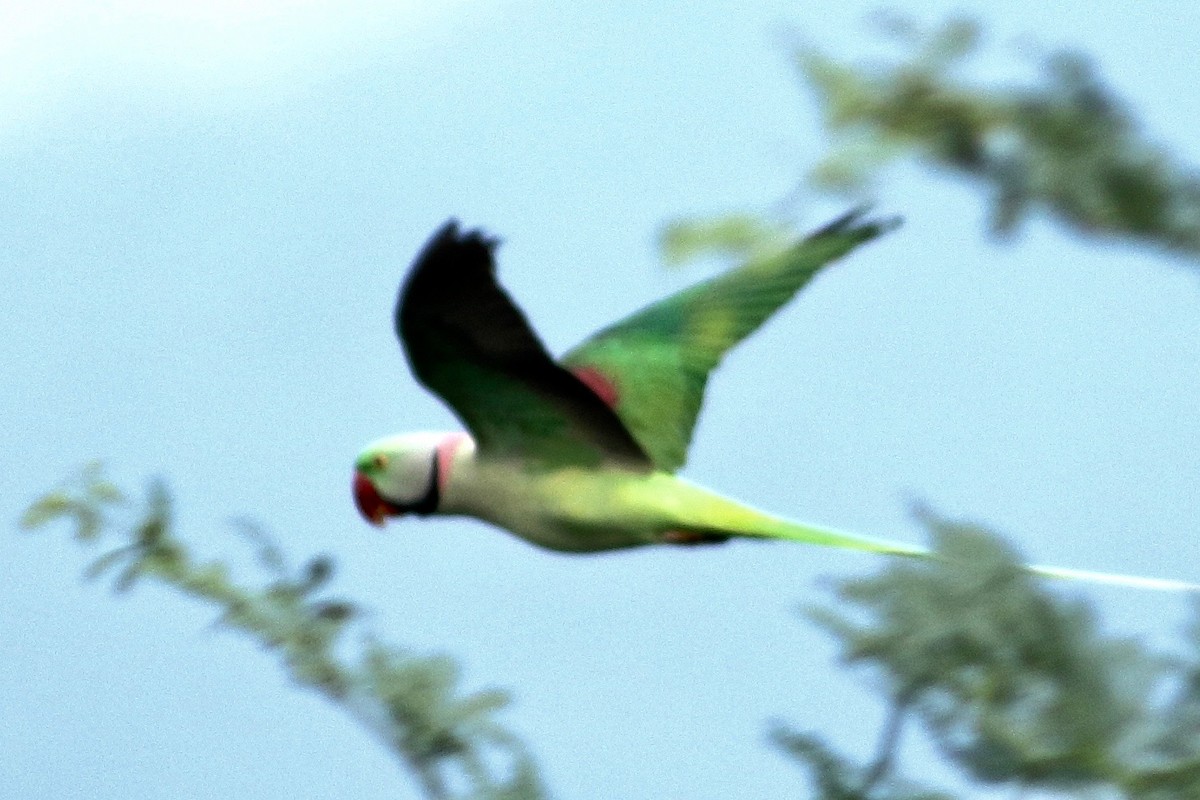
x: 380, y: 461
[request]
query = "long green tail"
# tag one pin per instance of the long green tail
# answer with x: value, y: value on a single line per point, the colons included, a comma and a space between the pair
x: 694, y: 508
x: 809, y: 534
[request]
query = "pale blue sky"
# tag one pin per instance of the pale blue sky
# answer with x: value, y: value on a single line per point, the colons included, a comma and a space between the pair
x: 204, y: 220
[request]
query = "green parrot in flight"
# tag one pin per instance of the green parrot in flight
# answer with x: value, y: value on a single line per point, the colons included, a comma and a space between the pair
x: 580, y: 455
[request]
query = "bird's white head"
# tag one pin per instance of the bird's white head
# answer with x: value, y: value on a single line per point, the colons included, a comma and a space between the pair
x: 401, y: 474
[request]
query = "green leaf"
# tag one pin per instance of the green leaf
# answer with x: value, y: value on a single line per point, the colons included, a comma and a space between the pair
x: 835, y: 777
x: 109, y: 560
x: 737, y: 237
x: 48, y: 509
x: 267, y: 552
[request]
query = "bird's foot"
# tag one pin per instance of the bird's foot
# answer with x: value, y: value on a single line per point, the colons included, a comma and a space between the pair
x: 693, y: 537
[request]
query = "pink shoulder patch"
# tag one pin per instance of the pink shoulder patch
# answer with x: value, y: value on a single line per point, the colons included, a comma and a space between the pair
x: 446, y: 449
x: 595, y: 380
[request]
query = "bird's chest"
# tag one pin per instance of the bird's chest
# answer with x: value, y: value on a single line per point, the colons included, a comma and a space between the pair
x: 569, y: 509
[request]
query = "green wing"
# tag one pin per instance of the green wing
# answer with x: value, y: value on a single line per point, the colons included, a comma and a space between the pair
x: 467, y: 342
x: 652, y: 367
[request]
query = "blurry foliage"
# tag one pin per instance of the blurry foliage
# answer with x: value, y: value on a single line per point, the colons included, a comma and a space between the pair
x: 452, y: 744
x: 736, y: 237
x: 836, y: 777
x: 1067, y: 145
x: 1013, y: 684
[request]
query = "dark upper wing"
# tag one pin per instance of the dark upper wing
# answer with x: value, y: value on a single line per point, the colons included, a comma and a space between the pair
x: 468, y: 343
x: 653, y: 366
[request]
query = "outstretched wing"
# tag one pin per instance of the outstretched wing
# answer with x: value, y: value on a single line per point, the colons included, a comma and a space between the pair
x: 467, y: 342
x: 652, y: 367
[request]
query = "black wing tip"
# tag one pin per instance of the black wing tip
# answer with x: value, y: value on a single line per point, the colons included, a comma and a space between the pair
x: 855, y: 223
x: 451, y: 259
x: 451, y: 234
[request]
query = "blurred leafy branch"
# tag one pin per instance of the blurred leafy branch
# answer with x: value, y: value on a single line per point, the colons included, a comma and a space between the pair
x: 1013, y: 685
x: 451, y: 743
x: 1067, y: 144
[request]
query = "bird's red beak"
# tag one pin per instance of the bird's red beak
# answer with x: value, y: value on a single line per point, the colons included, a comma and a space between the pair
x: 371, y: 505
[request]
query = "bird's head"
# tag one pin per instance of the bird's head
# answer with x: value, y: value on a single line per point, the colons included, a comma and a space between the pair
x: 398, y: 475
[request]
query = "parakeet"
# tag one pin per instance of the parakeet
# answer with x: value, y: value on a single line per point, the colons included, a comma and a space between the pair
x: 580, y: 455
